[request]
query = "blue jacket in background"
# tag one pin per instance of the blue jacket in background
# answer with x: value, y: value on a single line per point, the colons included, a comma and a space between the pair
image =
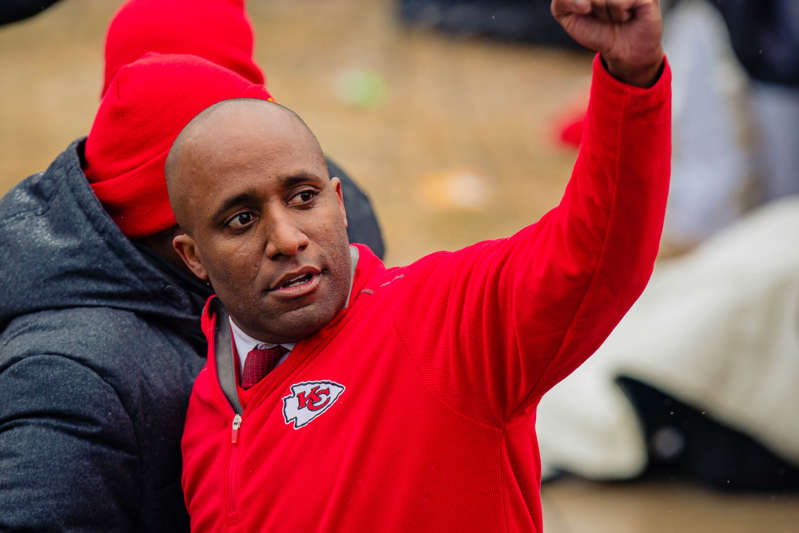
x: 98, y: 351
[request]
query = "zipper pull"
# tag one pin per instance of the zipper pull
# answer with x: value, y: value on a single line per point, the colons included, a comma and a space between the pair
x: 234, y: 438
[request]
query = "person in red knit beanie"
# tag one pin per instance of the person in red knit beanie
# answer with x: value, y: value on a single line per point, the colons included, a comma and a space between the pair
x: 341, y: 395
x: 218, y: 30
x: 98, y: 349
x: 147, y: 104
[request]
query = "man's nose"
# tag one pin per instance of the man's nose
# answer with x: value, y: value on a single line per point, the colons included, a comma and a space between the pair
x: 285, y: 237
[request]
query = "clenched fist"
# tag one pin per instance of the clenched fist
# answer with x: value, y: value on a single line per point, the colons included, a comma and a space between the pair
x: 626, y: 33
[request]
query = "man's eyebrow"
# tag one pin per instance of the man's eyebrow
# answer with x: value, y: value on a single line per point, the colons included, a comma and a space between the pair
x: 250, y: 197
x: 244, y: 198
x: 299, y: 177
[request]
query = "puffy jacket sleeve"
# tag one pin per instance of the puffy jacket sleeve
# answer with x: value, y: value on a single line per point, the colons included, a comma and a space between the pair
x: 64, y: 432
x: 501, y: 322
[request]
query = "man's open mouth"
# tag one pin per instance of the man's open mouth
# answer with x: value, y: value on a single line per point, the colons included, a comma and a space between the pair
x: 297, y: 283
x: 299, y: 280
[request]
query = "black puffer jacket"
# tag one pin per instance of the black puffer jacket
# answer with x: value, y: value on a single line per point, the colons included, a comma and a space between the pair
x: 98, y: 351
x: 99, y: 346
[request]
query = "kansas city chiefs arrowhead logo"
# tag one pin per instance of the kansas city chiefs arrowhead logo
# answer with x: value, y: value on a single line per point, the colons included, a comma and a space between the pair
x: 308, y: 400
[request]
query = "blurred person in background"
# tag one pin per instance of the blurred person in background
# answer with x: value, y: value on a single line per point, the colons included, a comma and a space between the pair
x: 698, y: 381
x: 99, y: 342
x: 713, y: 399
x: 736, y: 112
x: 765, y: 39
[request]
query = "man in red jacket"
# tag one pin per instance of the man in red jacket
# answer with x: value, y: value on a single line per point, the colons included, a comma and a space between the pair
x: 343, y: 396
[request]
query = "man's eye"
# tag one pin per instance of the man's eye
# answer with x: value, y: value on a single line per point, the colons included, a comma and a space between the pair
x: 303, y: 197
x: 241, y: 220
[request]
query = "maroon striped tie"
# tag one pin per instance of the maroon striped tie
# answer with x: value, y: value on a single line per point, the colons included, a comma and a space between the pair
x: 259, y: 363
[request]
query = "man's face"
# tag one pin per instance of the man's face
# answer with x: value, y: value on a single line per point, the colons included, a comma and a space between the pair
x: 265, y: 225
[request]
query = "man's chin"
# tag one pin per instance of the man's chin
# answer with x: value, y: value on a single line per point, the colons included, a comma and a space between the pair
x: 300, y: 323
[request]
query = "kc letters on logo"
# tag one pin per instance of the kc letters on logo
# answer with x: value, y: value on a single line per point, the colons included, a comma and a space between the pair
x: 308, y: 400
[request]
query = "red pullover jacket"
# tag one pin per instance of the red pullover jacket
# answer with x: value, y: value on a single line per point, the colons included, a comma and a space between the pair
x: 414, y: 409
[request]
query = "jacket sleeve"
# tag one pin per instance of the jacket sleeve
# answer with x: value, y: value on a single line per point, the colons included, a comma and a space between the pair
x: 68, y: 454
x: 512, y: 317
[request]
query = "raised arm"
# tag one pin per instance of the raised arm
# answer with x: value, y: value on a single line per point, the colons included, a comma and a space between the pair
x: 521, y: 313
x: 611, y: 216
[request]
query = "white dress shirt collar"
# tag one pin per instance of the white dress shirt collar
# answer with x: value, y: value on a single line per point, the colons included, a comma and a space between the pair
x: 245, y: 343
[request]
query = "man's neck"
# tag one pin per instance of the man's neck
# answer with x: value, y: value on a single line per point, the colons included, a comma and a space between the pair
x: 167, y: 260
x: 161, y: 244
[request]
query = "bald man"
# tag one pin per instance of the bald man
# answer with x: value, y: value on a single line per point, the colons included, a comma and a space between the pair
x: 299, y: 203
x: 339, y: 395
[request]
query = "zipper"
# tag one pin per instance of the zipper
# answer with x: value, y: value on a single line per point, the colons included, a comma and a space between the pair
x: 223, y: 352
x: 234, y: 436
x: 234, y: 463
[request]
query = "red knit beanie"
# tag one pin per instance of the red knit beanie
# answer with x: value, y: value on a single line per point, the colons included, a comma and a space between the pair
x: 147, y: 105
x: 217, y: 30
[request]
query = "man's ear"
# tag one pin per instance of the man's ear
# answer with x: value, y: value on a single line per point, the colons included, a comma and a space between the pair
x: 337, y: 184
x: 187, y: 250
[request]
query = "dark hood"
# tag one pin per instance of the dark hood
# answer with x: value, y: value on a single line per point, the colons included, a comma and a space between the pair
x: 59, y: 249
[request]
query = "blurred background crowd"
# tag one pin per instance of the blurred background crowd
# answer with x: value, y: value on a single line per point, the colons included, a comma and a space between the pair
x: 460, y: 119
